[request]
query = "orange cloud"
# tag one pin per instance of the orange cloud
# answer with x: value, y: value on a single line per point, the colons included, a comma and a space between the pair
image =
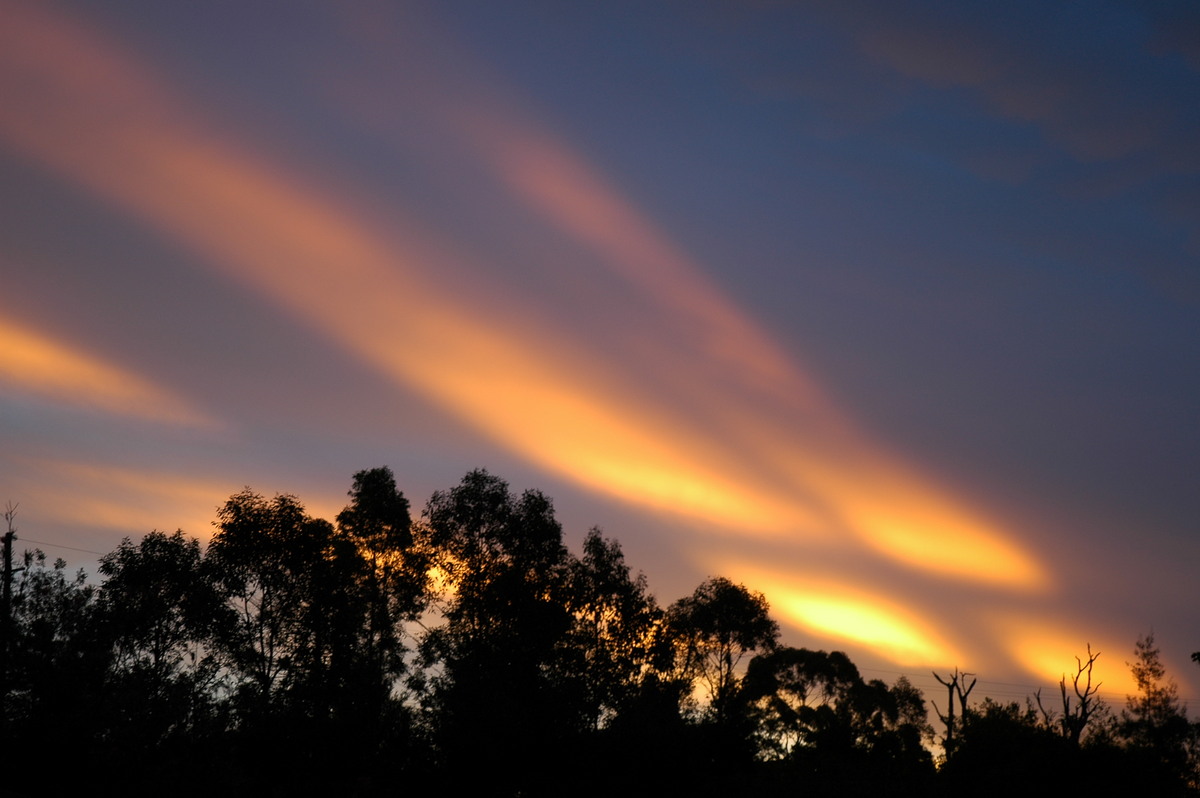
x: 35, y: 364
x: 547, y: 175
x: 1048, y: 650
x: 846, y: 479
x: 845, y: 613
x: 303, y: 248
x: 904, y: 518
x: 737, y: 436
x: 128, y: 501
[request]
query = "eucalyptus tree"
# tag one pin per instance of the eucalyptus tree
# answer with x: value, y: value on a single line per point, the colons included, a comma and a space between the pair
x: 394, y: 582
x: 378, y: 522
x: 499, y: 714
x: 815, y: 712
x: 613, y: 650
x: 158, y: 609
x: 716, y: 630
x: 295, y: 612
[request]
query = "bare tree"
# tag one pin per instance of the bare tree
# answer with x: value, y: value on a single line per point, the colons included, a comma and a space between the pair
x: 1075, y: 719
x: 954, y: 687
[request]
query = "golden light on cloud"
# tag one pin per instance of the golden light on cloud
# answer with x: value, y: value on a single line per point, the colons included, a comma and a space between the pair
x: 849, y: 481
x: 912, y: 523
x: 717, y: 443
x: 33, y: 363
x: 864, y: 621
x: 549, y: 414
x: 1049, y: 651
x: 172, y: 487
x: 131, y: 501
x: 301, y: 247
x: 845, y: 613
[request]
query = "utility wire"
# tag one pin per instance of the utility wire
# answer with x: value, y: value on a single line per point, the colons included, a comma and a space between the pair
x: 60, y: 546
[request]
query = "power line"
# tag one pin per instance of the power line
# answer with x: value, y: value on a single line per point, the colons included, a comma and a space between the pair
x: 60, y: 546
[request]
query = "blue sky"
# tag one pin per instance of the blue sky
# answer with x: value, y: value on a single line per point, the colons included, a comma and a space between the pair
x: 888, y: 310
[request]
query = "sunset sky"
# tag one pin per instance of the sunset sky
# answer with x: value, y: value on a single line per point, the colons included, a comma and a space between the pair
x: 889, y: 310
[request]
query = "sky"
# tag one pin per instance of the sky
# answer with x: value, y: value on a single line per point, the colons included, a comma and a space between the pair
x: 888, y: 310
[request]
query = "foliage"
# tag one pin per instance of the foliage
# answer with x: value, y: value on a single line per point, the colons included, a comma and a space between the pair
x: 472, y: 652
x: 54, y: 686
x: 714, y: 630
x: 613, y: 646
x: 1154, y: 722
x: 158, y: 609
x: 491, y: 690
x: 392, y: 583
x: 815, y: 712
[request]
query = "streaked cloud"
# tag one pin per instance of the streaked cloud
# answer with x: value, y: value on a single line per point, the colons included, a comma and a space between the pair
x: 846, y: 613
x: 854, y: 484
x: 1049, y: 649
x: 573, y: 197
x: 35, y: 364
x: 107, y: 497
x: 733, y: 434
x: 909, y: 521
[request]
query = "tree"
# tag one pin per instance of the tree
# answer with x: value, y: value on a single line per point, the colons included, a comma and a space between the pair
x: 499, y: 712
x: 833, y: 730
x: 796, y: 693
x: 1075, y: 719
x: 295, y: 618
x: 158, y: 609
x: 259, y: 558
x: 611, y: 646
x: 296, y: 635
x: 715, y: 629
x: 956, y: 686
x: 394, y: 580
x: 1154, y: 723
x: 59, y: 661
x: 1002, y: 749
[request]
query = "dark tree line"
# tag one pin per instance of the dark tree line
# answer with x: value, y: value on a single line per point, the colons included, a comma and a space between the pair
x: 471, y: 652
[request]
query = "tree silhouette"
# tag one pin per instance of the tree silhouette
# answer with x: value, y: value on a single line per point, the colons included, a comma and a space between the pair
x: 956, y: 687
x: 158, y: 610
x: 833, y: 730
x: 280, y: 654
x: 713, y: 633
x: 715, y: 629
x: 56, y: 702
x: 259, y: 559
x: 394, y: 584
x: 1002, y: 748
x: 498, y: 714
x: 1075, y: 719
x: 1154, y: 723
x: 291, y: 634
x: 612, y: 646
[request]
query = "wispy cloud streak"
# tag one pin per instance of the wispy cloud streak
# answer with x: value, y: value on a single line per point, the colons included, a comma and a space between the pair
x: 740, y: 438
x: 37, y: 365
x: 755, y: 396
